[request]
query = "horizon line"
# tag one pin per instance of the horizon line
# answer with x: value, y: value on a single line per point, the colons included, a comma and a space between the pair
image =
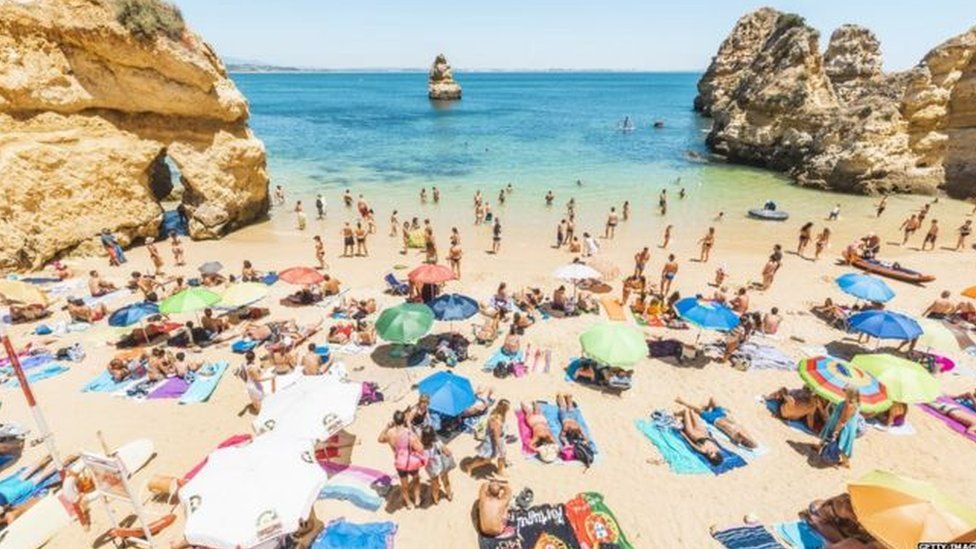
x: 269, y: 68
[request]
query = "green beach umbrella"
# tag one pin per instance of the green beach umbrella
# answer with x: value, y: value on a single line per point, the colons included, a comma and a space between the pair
x: 189, y: 300
x: 906, y: 381
x: 614, y: 344
x: 405, y: 323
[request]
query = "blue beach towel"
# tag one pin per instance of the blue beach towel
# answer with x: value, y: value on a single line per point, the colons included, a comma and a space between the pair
x: 499, y: 357
x: 551, y: 411
x: 672, y: 447
x: 37, y: 374
x: 205, y: 383
x: 747, y: 537
x: 800, y: 535
x: 242, y: 346
x: 103, y: 383
x: 340, y: 534
x: 30, y: 362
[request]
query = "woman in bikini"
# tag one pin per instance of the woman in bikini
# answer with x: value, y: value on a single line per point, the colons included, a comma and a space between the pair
x: 804, y: 240
x: 718, y: 416
x: 361, y: 248
x: 539, y: 425
x: 493, y: 445
x: 695, y: 431
x: 408, y: 457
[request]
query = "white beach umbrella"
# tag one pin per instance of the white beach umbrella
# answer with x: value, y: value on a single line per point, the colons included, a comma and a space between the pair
x: 250, y: 495
x: 313, y: 408
x: 574, y: 272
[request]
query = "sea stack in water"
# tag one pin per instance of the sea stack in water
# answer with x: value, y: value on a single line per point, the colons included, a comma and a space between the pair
x: 93, y: 101
x: 833, y: 119
x: 440, y: 82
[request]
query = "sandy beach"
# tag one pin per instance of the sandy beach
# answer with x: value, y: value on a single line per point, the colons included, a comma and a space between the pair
x: 655, y: 507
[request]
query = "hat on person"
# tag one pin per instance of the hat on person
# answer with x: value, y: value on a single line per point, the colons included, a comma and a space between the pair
x: 548, y: 453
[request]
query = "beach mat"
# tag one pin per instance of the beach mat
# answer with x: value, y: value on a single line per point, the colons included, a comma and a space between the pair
x: 747, y: 537
x: 340, y: 534
x: 174, y: 387
x: 551, y: 413
x: 594, y: 522
x: 538, y: 526
x: 674, y: 450
x: 499, y: 357
x: 363, y: 487
x: 799, y: 534
x: 34, y: 375
x: 749, y: 454
x: 204, y: 385
x: 615, y: 311
x: 951, y: 423
x: 103, y: 383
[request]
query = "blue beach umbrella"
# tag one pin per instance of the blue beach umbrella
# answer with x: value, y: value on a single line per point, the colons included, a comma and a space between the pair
x: 885, y: 325
x: 449, y: 394
x: 707, y: 314
x: 452, y: 307
x: 867, y: 287
x: 129, y: 315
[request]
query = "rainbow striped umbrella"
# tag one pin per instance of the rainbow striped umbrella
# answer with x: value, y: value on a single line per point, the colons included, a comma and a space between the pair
x: 828, y: 377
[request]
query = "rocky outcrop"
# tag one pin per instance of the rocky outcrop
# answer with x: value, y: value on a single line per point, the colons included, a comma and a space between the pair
x: 89, y: 113
x: 440, y: 81
x: 834, y: 120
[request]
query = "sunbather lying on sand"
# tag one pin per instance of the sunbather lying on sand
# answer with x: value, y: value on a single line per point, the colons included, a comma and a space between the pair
x: 306, y: 296
x: 487, y: 332
x: 572, y: 432
x: 126, y: 364
x: 718, y: 416
x: 493, y: 500
x: 695, y: 431
x: 27, y: 313
x: 537, y: 422
x: 591, y: 372
x: 800, y: 405
x: 957, y: 412
x: 79, y: 312
x: 261, y: 332
x: 360, y: 333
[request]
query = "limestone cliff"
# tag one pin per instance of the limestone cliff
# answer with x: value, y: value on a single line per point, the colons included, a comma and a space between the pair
x: 89, y: 111
x: 834, y: 119
x: 441, y: 85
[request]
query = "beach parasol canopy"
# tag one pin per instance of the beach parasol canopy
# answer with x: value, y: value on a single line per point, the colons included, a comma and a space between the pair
x: 450, y: 394
x: 211, y: 267
x: 902, y: 512
x: 938, y: 335
x: 189, y: 300
x: 405, y: 323
x: 302, y: 276
x: 614, y: 344
x: 431, y: 274
x: 867, y: 287
x: 828, y: 377
x: 451, y: 307
x: 707, y: 314
x: 242, y: 294
x: 904, y: 380
x: 313, y: 408
x: 885, y: 325
x: 247, y: 495
x: 131, y: 314
x: 574, y: 272
x: 22, y: 292
x: 970, y: 292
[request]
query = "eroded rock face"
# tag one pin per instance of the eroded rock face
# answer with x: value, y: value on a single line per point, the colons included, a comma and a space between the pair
x: 88, y: 112
x: 440, y: 81
x: 835, y: 120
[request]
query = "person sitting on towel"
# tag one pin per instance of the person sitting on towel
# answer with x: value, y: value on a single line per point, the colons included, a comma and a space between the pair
x: 718, y: 416
x: 537, y: 422
x: 120, y: 368
x: 98, y: 287
x: 800, y: 405
x: 572, y: 431
x: 213, y: 324
x: 493, y: 500
x: 590, y: 372
x: 161, y: 365
x: 695, y: 431
x: 182, y: 366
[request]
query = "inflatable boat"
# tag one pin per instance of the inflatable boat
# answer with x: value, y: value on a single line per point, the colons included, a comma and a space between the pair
x: 890, y: 270
x: 769, y: 215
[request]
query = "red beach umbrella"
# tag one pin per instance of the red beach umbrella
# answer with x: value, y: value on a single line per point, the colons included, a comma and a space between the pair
x: 301, y: 275
x: 431, y: 274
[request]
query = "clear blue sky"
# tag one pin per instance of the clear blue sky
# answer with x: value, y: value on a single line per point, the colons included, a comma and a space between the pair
x: 540, y: 34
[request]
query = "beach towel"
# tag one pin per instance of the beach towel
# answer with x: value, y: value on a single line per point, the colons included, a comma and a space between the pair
x: 174, y: 387
x: 749, y: 454
x: 905, y: 429
x: 594, y: 523
x: 951, y: 423
x: 108, y: 298
x: 340, y: 534
x: 29, y: 362
x: 17, y: 488
x: 764, y: 357
x: 538, y: 526
x: 65, y: 287
x: 242, y: 346
x: 551, y: 413
x: 206, y: 381
x: 668, y: 434
x: 799, y: 534
x: 672, y: 448
x: 49, y: 370
x: 747, y: 537
x: 103, y: 383
x: 363, y: 487
x: 499, y: 357
x: 615, y: 311
x: 773, y: 408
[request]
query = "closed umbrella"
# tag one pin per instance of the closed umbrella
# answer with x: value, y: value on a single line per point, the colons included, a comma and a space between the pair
x: 189, y: 300
x: 885, y: 325
x: 614, y: 344
x: 131, y: 314
x: 830, y: 377
x: 707, y: 314
x: 248, y: 495
x: 22, y: 292
x: 431, y: 274
x: 450, y: 307
x: 242, y: 294
x: 450, y: 394
x: 405, y: 323
x: 302, y: 276
x: 905, y: 381
x: 903, y: 512
x: 867, y: 287
x: 313, y: 408
x: 211, y: 267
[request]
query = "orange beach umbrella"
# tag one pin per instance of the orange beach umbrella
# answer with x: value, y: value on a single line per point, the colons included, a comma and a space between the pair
x: 431, y: 274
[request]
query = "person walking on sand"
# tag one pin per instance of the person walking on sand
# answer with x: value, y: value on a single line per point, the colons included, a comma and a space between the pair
x: 662, y: 201
x: 805, y: 234
x: 612, y: 221
x: 570, y: 230
x: 640, y: 261
x: 668, y: 272
x: 492, y: 446
x: 501, y: 197
x: 440, y: 462
x: 769, y: 272
x: 823, y: 239
x: 423, y: 195
x: 625, y: 211
x: 923, y: 213
x: 349, y: 241
x: 394, y: 223
x: 405, y: 236
x: 881, y: 205
x: 707, y: 242
x: 157, y: 259
x: 667, y: 236
x: 430, y: 246
x: 176, y: 247
x: 909, y: 226
x: 932, y: 235
x: 408, y: 457
x: 560, y: 233
x: 837, y: 437
x: 361, y: 233
x: 320, y: 206
x: 347, y: 198
x: 454, y: 258
x: 834, y: 214
x: 496, y: 236
x: 319, y: 251
x: 300, y: 215
x: 590, y: 245
x: 964, y: 231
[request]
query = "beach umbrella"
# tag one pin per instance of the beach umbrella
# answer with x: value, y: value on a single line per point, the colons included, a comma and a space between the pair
x: 450, y: 394
x: 405, y: 323
x: 614, y: 344
x: 575, y: 272
x: 211, y: 267
x: 302, y: 276
x: 313, y: 408
x: 941, y: 336
x: 22, y: 292
x: 242, y: 294
x: 189, y: 300
x: 970, y: 292
x: 885, y: 325
x: 708, y: 315
x: 829, y: 377
x: 431, y: 274
x: 902, y: 512
x: 451, y: 307
x: 131, y: 314
x: 904, y: 380
x: 867, y: 287
x: 248, y: 495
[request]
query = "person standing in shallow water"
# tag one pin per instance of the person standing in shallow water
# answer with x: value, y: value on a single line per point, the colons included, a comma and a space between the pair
x: 612, y: 221
x: 662, y: 201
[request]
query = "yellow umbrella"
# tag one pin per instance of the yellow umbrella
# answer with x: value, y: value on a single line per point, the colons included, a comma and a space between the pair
x: 901, y: 512
x: 22, y: 292
x: 970, y: 292
x: 242, y: 294
x: 936, y: 336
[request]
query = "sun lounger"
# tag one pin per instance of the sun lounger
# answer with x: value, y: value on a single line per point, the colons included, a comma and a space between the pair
x: 798, y: 534
x: 205, y: 382
x: 747, y: 537
x: 394, y: 286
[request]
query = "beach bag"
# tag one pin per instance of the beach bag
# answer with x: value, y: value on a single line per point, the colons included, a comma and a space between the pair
x: 583, y: 452
x: 830, y: 452
x: 74, y: 353
x: 502, y: 370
